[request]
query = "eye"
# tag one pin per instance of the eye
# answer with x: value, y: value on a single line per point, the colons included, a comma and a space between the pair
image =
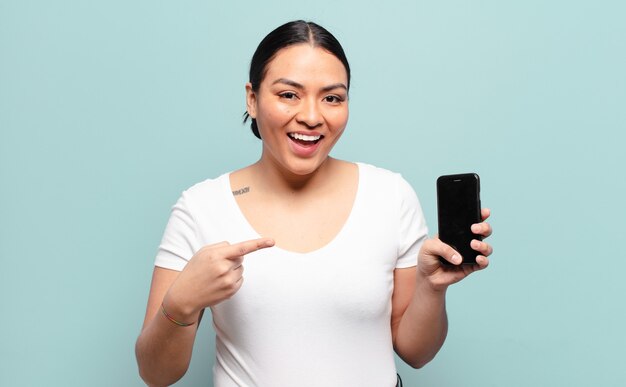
x: 288, y: 95
x: 334, y: 99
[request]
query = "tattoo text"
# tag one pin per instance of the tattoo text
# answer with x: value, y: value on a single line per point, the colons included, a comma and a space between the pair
x: 241, y: 191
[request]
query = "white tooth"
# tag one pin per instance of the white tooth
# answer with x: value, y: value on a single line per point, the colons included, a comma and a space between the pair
x: 304, y: 137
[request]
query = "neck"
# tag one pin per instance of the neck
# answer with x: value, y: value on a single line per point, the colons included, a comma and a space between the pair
x: 276, y: 178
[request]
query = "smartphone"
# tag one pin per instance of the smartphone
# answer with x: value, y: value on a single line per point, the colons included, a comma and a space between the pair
x: 458, y: 207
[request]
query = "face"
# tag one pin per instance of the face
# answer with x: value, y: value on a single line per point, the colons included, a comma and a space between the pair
x: 301, y: 107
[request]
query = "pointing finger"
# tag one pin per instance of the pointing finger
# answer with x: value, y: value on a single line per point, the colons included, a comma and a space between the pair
x: 242, y: 248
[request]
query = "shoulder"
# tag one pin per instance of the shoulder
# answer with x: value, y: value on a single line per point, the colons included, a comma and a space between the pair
x: 387, y: 184
x: 381, y: 176
x: 206, y: 189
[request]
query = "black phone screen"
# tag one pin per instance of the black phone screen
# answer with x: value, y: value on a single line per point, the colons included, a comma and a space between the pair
x: 458, y: 207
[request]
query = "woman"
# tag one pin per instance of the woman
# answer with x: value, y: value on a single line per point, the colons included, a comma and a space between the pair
x: 339, y: 270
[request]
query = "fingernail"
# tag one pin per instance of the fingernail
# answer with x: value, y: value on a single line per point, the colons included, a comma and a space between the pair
x: 475, y: 228
x: 456, y: 258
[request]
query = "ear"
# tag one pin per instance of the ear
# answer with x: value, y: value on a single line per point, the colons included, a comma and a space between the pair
x: 250, y: 100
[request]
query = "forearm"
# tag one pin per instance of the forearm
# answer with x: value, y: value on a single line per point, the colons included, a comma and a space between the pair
x: 423, y: 327
x: 164, y: 349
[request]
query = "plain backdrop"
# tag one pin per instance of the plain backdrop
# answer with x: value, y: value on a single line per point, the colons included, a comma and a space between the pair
x: 110, y: 109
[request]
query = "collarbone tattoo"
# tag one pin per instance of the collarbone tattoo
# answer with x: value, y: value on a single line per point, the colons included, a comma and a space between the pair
x: 241, y: 191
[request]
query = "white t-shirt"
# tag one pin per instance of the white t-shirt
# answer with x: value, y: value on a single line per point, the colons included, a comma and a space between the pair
x: 305, y: 319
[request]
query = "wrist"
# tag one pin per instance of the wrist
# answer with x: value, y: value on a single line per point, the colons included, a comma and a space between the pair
x: 175, y: 308
x: 427, y: 286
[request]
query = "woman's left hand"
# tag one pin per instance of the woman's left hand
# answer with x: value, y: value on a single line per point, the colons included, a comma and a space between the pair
x: 441, y: 276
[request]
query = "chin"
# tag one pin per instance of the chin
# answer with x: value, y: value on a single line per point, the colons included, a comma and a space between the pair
x: 304, y: 167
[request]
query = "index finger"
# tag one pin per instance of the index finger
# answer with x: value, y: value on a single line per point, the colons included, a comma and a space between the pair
x: 242, y: 248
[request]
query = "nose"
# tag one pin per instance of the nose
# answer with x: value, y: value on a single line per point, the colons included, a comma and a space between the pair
x: 309, y: 114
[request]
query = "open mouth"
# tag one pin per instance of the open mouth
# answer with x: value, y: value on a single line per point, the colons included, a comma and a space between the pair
x: 304, y: 139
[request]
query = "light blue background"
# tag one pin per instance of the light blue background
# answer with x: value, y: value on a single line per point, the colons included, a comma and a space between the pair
x: 109, y: 109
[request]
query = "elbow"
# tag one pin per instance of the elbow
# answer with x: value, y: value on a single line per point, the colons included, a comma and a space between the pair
x: 154, y: 375
x: 157, y: 379
x: 416, y: 360
x: 148, y: 378
x: 417, y: 364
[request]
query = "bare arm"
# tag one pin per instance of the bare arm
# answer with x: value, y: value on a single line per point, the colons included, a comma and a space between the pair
x: 212, y: 275
x: 163, y: 348
x: 419, y: 323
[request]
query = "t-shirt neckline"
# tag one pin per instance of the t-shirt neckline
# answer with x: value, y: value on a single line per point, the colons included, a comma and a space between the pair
x: 243, y: 221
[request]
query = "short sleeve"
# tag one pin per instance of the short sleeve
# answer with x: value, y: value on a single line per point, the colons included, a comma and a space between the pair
x: 412, y: 230
x: 180, y: 241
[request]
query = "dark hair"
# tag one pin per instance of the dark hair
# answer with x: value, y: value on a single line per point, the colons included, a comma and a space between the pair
x: 290, y: 33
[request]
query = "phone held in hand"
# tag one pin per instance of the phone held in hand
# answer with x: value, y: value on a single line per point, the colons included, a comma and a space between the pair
x: 458, y: 207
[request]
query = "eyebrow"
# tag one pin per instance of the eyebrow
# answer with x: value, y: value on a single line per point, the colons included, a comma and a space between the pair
x: 297, y: 85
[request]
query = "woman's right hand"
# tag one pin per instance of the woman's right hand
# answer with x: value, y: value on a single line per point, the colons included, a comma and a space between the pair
x: 212, y: 275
